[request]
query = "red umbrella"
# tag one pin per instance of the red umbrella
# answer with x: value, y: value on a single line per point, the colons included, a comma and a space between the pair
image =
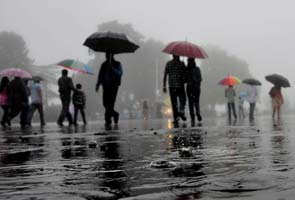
x: 184, y: 48
x: 230, y: 80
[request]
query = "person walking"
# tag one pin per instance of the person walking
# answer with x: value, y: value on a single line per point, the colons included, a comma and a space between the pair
x: 79, y: 102
x: 109, y: 77
x: 4, y: 89
x: 251, y: 98
x: 193, y: 89
x: 277, y: 100
x: 36, y: 102
x: 230, y: 94
x: 175, y: 70
x: 66, y: 86
x: 19, y: 100
x: 241, y: 107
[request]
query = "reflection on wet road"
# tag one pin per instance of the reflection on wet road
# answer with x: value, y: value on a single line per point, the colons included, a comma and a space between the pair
x: 147, y: 160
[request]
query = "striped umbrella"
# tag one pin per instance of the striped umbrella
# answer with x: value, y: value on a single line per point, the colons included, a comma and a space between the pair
x: 230, y: 80
x: 76, y: 66
x: 15, y: 72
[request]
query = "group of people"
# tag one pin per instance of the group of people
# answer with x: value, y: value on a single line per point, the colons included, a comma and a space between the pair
x: 251, y: 95
x: 14, y: 100
x: 184, y: 83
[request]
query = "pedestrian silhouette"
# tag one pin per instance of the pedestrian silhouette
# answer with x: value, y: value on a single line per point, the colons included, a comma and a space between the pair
x: 193, y: 89
x: 66, y: 87
x: 109, y: 77
x: 277, y: 100
x: 19, y: 99
x: 79, y: 102
x: 230, y: 94
x: 175, y: 70
x: 36, y: 102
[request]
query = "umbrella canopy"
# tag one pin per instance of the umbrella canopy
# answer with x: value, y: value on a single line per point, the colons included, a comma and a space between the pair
x: 251, y: 81
x: 184, y: 48
x: 76, y: 66
x: 15, y: 72
x: 278, y: 80
x: 110, y: 42
x: 230, y: 80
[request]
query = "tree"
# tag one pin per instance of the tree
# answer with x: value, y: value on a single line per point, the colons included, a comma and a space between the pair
x: 13, y: 51
x: 219, y: 65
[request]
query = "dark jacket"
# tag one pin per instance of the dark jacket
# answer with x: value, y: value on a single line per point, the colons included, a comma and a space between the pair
x: 79, y: 98
x: 110, y: 74
x: 18, y: 92
x: 193, y: 76
x: 65, y: 85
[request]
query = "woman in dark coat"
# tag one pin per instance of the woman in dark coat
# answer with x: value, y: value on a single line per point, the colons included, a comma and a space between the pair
x: 193, y: 89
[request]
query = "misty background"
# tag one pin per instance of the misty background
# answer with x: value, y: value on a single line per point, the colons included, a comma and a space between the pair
x: 242, y: 38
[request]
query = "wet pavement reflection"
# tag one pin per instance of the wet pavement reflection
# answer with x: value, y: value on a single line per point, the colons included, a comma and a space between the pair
x: 150, y: 159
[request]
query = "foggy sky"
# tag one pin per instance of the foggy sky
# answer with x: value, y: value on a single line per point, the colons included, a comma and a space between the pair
x: 258, y: 31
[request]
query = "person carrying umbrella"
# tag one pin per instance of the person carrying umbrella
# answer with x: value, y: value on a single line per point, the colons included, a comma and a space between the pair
x: 109, y: 77
x: 193, y: 89
x: 4, y: 89
x: 276, y: 99
x: 230, y: 94
x: 175, y: 70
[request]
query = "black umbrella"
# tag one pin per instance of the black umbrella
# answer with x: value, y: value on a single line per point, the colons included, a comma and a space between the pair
x: 251, y: 81
x: 110, y: 42
x: 278, y: 80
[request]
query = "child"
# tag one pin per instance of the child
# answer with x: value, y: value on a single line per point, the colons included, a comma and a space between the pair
x: 230, y: 94
x: 79, y: 101
x: 241, y: 107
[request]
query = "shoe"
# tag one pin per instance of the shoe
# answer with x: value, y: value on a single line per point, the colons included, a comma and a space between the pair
x: 60, y: 123
x: 182, y: 116
x: 108, y: 126
x: 199, y: 117
x: 116, y: 118
x: 3, y: 124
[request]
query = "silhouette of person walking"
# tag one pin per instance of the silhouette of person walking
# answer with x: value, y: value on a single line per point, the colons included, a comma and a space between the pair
x: 79, y: 102
x: 36, y: 102
x: 193, y: 89
x: 109, y: 77
x: 19, y: 99
x: 175, y: 70
x: 66, y: 86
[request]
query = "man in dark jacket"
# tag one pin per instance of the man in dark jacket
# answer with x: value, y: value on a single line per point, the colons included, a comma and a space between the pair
x: 109, y: 77
x: 193, y: 89
x: 19, y: 100
x: 175, y: 70
x: 66, y: 86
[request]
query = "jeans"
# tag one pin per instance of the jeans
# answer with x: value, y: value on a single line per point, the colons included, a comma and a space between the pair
x: 39, y: 107
x: 108, y: 99
x: 65, y: 113
x: 178, y: 101
x: 81, y: 109
x: 231, y: 109
x: 193, y: 94
x: 252, y: 109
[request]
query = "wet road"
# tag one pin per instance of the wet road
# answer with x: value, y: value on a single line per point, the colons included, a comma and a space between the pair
x: 240, y: 161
